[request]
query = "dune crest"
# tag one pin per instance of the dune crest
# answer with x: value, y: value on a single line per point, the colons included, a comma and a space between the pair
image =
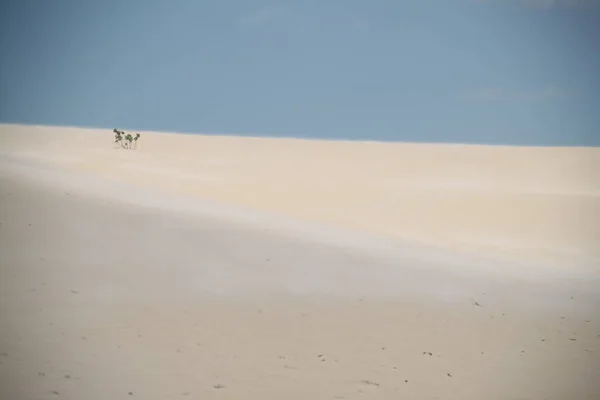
x: 514, y: 203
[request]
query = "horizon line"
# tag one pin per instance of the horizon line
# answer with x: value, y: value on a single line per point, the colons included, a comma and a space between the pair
x: 313, y: 139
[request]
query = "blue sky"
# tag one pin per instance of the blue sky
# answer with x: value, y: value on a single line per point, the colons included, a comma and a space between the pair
x: 478, y: 71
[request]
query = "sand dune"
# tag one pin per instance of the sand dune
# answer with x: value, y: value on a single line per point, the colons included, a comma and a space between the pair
x: 230, y: 268
x: 533, y: 204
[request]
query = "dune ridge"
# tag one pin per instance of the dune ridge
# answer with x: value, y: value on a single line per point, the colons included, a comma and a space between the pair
x: 537, y: 204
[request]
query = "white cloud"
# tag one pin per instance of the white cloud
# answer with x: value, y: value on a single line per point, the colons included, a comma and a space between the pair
x: 259, y: 17
x: 516, y: 95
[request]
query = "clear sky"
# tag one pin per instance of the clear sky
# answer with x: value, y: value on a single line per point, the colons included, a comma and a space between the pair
x: 477, y: 71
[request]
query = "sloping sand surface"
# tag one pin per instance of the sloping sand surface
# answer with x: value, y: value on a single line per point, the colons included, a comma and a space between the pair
x: 534, y: 204
x: 178, y: 270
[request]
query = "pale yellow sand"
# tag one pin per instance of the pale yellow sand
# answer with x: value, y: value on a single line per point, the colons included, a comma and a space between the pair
x: 114, y: 285
x: 535, y: 204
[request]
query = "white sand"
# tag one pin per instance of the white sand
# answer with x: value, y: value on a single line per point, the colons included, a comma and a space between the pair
x: 295, y: 269
x: 535, y: 204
